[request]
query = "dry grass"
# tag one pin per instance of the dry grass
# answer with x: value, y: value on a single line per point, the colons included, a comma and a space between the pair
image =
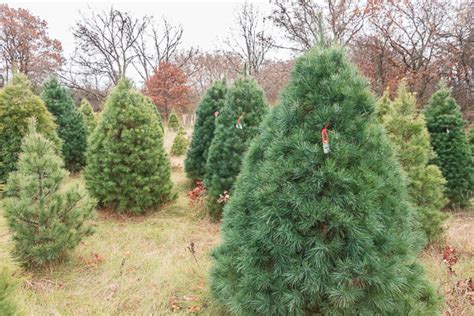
x: 144, y: 265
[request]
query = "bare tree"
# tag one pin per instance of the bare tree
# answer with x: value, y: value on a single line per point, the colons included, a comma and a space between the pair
x: 160, y: 43
x: 249, y: 41
x: 106, y: 42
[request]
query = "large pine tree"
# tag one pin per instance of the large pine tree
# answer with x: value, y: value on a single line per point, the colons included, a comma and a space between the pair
x: 127, y: 167
x: 71, y: 127
x: 46, y: 222
x: 449, y: 141
x: 407, y: 131
x: 17, y: 105
x: 207, y: 111
x: 236, y: 126
x: 312, y: 231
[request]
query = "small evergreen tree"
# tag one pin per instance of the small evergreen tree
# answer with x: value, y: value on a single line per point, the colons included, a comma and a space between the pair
x: 207, y: 111
x: 173, y: 121
x: 319, y: 222
x: 7, y: 289
x: 236, y: 126
x: 88, y: 116
x: 180, y: 143
x: 446, y: 127
x: 150, y: 103
x: 471, y: 139
x: 71, y: 127
x: 45, y: 222
x: 407, y: 132
x: 17, y: 105
x: 127, y: 167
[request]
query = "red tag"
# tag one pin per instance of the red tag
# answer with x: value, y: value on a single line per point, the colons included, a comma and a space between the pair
x: 325, y: 139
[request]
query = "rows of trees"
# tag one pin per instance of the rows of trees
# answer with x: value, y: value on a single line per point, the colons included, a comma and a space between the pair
x: 422, y: 41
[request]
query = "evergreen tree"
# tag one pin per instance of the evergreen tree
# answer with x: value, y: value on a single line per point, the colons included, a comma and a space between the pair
x: 71, y: 127
x: 318, y: 230
x: 471, y: 139
x: 45, y: 222
x: 446, y: 127
x: 173, y: 121
x: 88, y: 116
x: 17, y: 105
x: 407, y: 132
x: 236, y: 126
x: 128, y: 168
x: 180, y: 143
x: 155, y: 110
x: 207, y: 111
x: 7, y: 288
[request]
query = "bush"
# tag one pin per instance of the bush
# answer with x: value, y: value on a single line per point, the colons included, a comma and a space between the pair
x: 446, y: 127
x: 7, y: 289
x: 45, y: 222
x: 173, y: 121
x: 312, y: 232
x: 127, y: 167
x: 408, y: 134
x: 88, y: 116
x: 17, y: 105
x: 236, y: 126
x: 207, y: 111
x: 180, y: 143
x: 71, y: 127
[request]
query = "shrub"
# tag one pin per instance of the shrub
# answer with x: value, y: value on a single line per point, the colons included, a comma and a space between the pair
x: 45, y: 222
x: 127, y: 167
x: 180, y: 143
x: 173, y: 121
x: 309, y: 231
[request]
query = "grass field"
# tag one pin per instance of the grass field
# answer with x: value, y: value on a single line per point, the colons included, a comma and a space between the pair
x: 158, y: 264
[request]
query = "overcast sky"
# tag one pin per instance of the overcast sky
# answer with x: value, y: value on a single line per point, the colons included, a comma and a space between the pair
x: 205, y: 23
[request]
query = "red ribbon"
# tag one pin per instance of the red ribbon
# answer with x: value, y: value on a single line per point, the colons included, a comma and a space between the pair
x: 324, y: 134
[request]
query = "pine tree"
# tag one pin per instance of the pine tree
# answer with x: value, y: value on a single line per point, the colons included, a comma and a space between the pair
x: 17, y: 105
x: 88, y: 116
x: 318, y: 230
x: 446, y: 127
x: 71, y: 127
x: 150, y: 103
x: 7, y: 288
x: 173, y: 121
x: 128, y: 168
x: 408, y: 134
x: 180, y: 143
x: 45, y: 222
x: 471, y: 139
x: 207, y: 111
x: 236, y: 126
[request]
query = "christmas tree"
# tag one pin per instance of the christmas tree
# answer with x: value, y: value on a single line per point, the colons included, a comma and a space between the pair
x: 88, y: 116
x: 180, y: 143
x: 45, y: 222
x: 17, y: 105
x: 152, y: 105
x: 471, y: 139
x: 7, y: 288
x: 407, y: 132
x: 207, y: 111
x: 319, y: 221
x: 236, y: 126
x: 128, y: 169
x: 446, y: 127
x: 173, y: 121
x: 71, y: 127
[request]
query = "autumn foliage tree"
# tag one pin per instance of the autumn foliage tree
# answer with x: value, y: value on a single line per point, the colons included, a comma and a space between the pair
x: 168, y: 89
x: 26, y: 45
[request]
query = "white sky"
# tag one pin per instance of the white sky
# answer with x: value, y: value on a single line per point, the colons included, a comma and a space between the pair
x: 205, y: 23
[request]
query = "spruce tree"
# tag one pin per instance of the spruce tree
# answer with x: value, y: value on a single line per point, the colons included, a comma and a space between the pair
x: 88, y: 116
x: 173, y: 121
x: 236, y: 126
x: 180, y: 143
x: 408, y: 134
x: 207, y: 111
x: 17, y: 105
x: 7, y: 289
x: 446, y: 127
x: 319, y: 222
x: 45, y: 222
x: 71, y: 127
x: 127, y: 167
